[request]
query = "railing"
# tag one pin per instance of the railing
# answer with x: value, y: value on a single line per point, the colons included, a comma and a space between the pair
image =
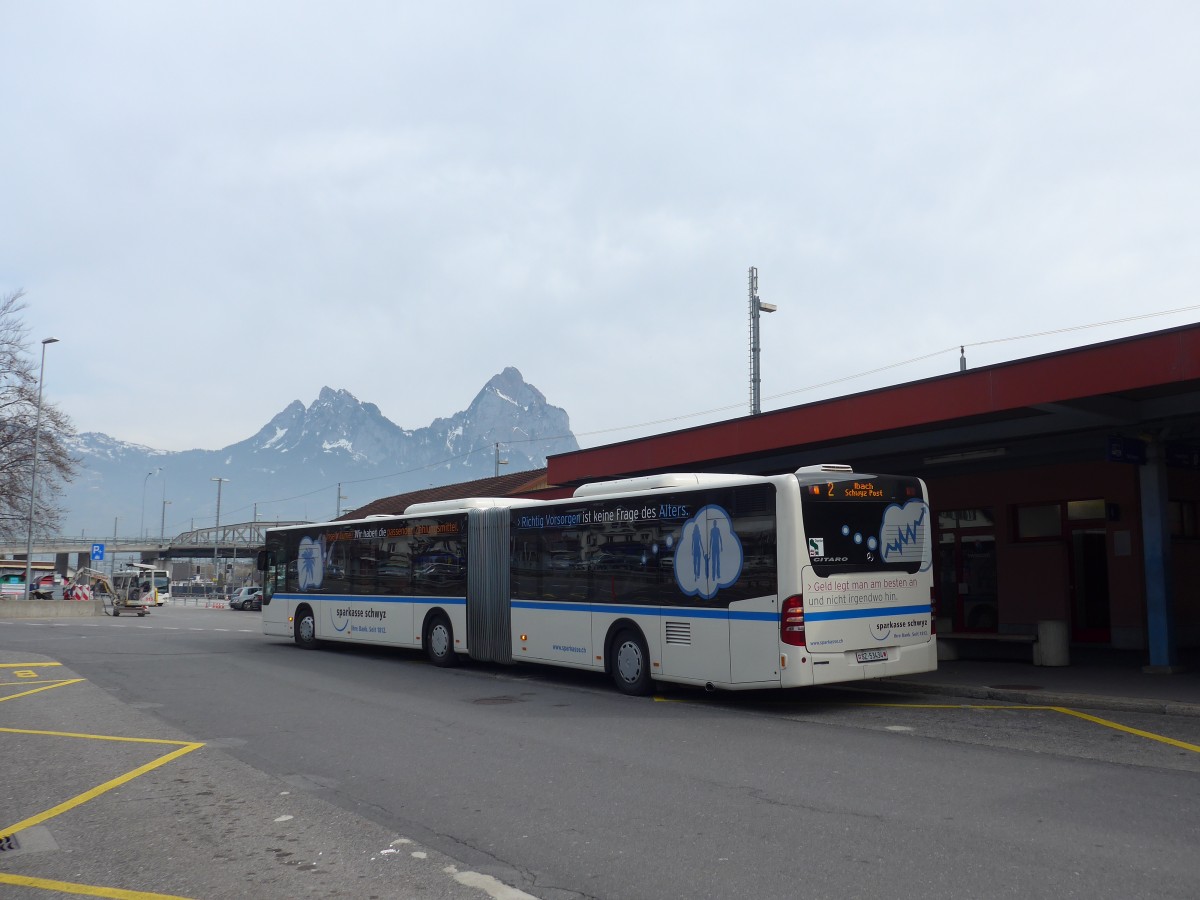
x: 242, y: 536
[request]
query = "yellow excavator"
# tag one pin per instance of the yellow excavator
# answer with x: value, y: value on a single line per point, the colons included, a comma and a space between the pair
x: 92, y: 584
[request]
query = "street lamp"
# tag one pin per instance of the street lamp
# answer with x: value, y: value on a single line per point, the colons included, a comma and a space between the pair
x: 37, y: 433
x: 145, y: 481
x: 162, y: 528
x: 217, y: 533
x: 757, y: 307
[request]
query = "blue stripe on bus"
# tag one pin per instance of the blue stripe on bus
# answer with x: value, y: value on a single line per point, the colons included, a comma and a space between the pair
x: 867, y: 613
x: 737, y: 615
x: 668, y: 611
x: 374, y: 598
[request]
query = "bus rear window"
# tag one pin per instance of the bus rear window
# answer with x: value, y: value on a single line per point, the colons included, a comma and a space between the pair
x: 866, y: 523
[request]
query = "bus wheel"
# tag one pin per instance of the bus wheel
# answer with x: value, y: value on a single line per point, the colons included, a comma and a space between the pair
x: 439, y: 642
x: 306, y: 629
x: 631, y: 663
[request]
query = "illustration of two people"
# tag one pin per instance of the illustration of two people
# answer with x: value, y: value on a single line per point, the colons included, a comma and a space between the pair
x: 711, y: 556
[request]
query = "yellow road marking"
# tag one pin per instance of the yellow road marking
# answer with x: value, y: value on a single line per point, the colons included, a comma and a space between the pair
x: 87, y: 890
x: 1149, y: 735
x: 1119, y: 727
x: 101, y: 788
x: 102, y: 737
x: 27, y: 665
x: 67, y: 887
x: 950, y: 706
x: 44, y: 687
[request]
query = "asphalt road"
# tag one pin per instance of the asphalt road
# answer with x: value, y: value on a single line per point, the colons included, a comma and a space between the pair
x: 552, y: 782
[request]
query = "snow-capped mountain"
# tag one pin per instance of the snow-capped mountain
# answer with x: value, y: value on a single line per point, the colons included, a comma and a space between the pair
x: 292, y: 468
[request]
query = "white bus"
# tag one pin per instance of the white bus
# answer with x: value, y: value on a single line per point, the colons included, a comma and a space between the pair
x: 727, y: 582
x: 143, y: 579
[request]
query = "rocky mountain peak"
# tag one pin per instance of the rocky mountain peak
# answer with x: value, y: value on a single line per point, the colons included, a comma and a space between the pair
x: 306, y: 451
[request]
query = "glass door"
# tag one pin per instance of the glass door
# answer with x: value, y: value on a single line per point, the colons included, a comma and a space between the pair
x: 1090, y: 621
x: 967, y: 570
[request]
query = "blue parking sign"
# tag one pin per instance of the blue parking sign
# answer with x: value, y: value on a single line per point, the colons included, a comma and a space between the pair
x: 97, y: 551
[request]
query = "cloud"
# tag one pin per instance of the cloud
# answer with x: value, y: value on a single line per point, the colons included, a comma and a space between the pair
x: 221, y: 208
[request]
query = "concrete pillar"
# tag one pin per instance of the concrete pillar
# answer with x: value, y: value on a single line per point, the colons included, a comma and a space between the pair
x: 1156, y: 549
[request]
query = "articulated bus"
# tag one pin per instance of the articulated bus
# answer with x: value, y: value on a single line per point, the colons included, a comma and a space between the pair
x: 728, y: 582
x: 139, y: 579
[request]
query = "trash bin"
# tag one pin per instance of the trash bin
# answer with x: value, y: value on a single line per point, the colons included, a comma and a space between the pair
x: 1053, y: 646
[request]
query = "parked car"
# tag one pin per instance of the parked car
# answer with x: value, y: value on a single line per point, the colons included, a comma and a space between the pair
x: 246, y: 598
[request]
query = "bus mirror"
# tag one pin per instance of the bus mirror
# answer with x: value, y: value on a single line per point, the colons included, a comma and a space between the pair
x: 266, y: 559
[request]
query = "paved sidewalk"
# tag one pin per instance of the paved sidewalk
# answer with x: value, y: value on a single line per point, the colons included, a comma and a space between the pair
x: 1096, y: 679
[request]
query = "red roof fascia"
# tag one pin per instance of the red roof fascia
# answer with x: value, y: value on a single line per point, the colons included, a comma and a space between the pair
x: 1161, y: 358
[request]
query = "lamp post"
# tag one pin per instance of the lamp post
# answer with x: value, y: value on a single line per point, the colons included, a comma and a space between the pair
x: 757, y: 306
x: 37, y: 433
x: 217, y: 532
x: 162, y: 528
x: 145, y: 481
x: 499, y: 462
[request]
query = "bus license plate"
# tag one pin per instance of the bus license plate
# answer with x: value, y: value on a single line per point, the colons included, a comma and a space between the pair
x: 866, y: 656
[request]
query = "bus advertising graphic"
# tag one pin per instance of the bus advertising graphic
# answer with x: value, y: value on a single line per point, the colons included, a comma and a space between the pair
x: 709, y: 554
x: 904, y: 532
x: 310, y: 566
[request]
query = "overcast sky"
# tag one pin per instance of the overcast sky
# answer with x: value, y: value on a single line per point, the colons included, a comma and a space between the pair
x: 218, y: 208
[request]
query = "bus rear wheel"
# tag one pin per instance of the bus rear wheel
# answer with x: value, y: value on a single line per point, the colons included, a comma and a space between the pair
x: 631, y: 663
x: 306, y: 629
x: 439, y: 642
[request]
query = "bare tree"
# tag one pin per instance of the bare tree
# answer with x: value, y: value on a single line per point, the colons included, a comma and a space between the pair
x: 18, y: 418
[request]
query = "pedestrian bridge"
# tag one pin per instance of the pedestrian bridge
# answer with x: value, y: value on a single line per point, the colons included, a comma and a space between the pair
x: 240, y: 541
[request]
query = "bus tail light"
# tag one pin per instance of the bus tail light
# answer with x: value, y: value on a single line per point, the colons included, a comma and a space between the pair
x: 791, y: 621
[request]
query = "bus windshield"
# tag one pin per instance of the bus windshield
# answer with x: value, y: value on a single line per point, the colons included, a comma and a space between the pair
x: 866, y: 523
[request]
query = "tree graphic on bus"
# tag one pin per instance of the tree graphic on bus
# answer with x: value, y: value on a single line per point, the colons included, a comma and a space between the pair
x: 310, y: 568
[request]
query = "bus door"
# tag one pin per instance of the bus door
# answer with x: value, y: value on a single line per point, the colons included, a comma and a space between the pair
x: 754, y: 621
x: 724, y: 563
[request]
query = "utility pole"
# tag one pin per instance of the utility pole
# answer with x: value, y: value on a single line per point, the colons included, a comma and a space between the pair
x: 217, y: 530
x: 499, y: 462
x: 756, y: 307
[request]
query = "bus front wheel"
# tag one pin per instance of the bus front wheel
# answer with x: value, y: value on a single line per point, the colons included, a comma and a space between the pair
x: 306, y: 629
x: 631, y: 664
x: 439, y: 642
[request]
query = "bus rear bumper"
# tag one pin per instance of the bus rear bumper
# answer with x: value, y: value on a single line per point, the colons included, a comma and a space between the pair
x: 831, y: 668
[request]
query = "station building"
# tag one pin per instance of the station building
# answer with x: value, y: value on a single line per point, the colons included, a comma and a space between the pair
x: 1066, y: 486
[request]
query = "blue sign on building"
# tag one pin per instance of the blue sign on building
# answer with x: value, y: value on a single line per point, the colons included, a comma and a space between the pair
x: 1127, y: 450
x: 97, y: 551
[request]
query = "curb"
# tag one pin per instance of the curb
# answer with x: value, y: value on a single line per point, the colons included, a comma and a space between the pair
x: 1044, y: 698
